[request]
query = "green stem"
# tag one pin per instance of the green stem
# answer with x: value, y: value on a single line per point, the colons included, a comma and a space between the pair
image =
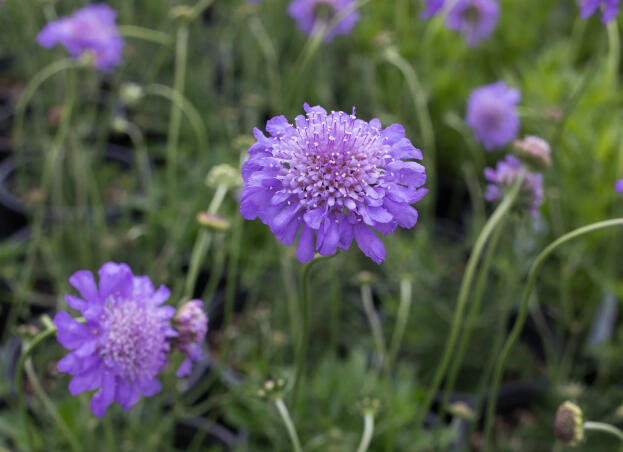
x: 19, y: 382
x: 614, y: 50
x: 464, y: 290
x: 404, y: 309
x: 603, y: 427
x: 175, y: 121
x: 287, y: 421
x: 471, y: 316
x: 523, y: 310
x: 146, y: 34
x: 368, y: 431
x: 375, y: 325
x: 202, y: 244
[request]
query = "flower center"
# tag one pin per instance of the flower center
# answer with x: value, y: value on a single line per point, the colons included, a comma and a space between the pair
x: 471, y: 15
x: 134, y: 342
x: 324, y: 10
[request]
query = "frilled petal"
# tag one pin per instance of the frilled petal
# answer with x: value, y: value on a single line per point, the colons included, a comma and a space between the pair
x: 127, y: 394
x: 84, y: 282
x: 105, y: 396
x: 142, y: 286
x: 404, y: 214
x: 71, y: 334
x: 150, y: 387
x: 185, y: 368
x: 116, y: 279
x: 369, y: 243
x: 160, y: 296
x: 86, y: 381
x: 305, y: 248
x: 328, y: 238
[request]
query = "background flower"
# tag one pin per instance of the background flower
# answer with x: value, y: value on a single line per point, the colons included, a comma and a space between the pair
x: 306, y: 14
x: 124, y: 343
x: 91, y: 29
x: 333, y: 177
x: 432, y: 8
x: 610, y: 9
x: 474, y: 19
x: 492, y: 114
x: 191, y: 324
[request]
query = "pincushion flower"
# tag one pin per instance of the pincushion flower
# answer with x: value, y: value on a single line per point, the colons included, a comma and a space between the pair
x: 432, y: 8
x: 123, y: 344
x: 618, y: 186
x: 191, y: 324
x: 474, y: 19
x: 610, y: 9
x: 309, y: 14
x: 492, y: 114
x: 89, y: 30
x: 503, y: 176
x: 332, y: 177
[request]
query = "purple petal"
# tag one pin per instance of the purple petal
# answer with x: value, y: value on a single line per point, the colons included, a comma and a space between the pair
x: 185, y: 368
x: 84, y: 282
x: 105, y: 396
x: 116, y: 279
x: 150, y: 387
x: 369, y: 243
x: 71, y: 334
x: 87, y: 381
x: 305, y: 248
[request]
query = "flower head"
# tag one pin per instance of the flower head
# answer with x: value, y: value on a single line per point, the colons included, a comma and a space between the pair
x: 492, y: 114
x: 569, y: 424
x: 432, y: 8
x: 504, y: 176
x: 123, y: 344
x: 191, y: 324
x: 535, y: 150
x: 308, y: 14
x: 618, y: 186
x: 589, y: 7
x: 90, y: 29
x: 332, y: 177
x: 474, y: 19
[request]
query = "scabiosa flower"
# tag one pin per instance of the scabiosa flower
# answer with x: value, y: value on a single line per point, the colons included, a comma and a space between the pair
x: 534, y: 150
x: 492, y: 114
x: 123, y: 344
x: 91, y: 29
x: 618, y: 186
x: 474, y: 19
x: 505, y: 174
x: 589, y: 7
x: 191, y: 324
x: 432, y: 8
x: 333, y: 177
x: 308, y: 14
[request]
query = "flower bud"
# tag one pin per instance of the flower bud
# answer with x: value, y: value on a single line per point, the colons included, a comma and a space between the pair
x: 223, y: 175
x: 191, y: 324
x: 534, y: 150
x: 130, y: 93
x: 272, y: 389
x: 213, y: 221
x: 568, y: 425
x: 462, y: 410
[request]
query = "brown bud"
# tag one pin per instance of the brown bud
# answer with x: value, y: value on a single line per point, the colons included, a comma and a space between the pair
x: 568, y: 425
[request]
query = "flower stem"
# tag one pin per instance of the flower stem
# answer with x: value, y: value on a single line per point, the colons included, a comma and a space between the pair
x: 287, y: 421
x: 472, y: 316
x: 146, y: 34
x: 523, y: 311
x: 464, y: 290
x: 401, y: 322
x: 368, y: 430
x: 375, y: 325
x: 603, y: 427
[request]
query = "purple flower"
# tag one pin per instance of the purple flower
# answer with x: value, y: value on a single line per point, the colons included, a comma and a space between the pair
x: 332, y: 177
x: 432, y: 8
x: 492, y: 114
x: 123, y: 344
x: 504, y: 175
x: 589, y: 7
x: 311, y: 13
x: 618, y: 186
x: 474, y: 19
x: 90, y: 29
x: 191, y: 324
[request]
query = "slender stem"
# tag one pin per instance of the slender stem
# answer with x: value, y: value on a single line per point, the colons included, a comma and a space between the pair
x: 472, y: 316
x: 464, y: 290
x: 404, y: 309
x: 201, y: 6
x: 368, y: 431
x: 202, y: 244
x: 614, y: 50
x: 375, y: 325
x: 175, y: 122
x: 523, y: 310
x: 287, y: 421
x: 19, y: 382
x: 603, y: 427
x: 146, y: 34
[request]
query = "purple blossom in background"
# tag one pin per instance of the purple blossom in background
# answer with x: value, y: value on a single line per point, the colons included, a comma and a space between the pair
x: 589, y: 7
x: 306, y: 14
x: 504, y: 175
x: 432, y: 8
x: 492, y: 114
x: 191, y: 324
x: 90, y: 29
x: 332, y: 177
x: 618, y: 186
x: 474, y: 19
x: 124, y: 343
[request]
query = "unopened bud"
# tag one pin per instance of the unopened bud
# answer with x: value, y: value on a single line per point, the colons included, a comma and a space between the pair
x: 213, y: 221
x: 534, y: 150
x: 568, y: 425
x: 130, y: 93
x: 224, y: 176
x: 462, y: 410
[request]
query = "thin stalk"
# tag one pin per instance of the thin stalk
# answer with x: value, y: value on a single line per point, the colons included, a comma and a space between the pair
x: 232, y: 270
x: 375, y: 325
x: 404, y: 308
x: 498, y: 215
x: 202, y: 244
x: 368, y: 431
x: 198, y: 9
x: 603, y: 427
x: 614, y: 50
x: 145, y: 34
x: 144, y: 171
x: 523, y: 311
x: 287, y: 421
x: 175, y: 121
x: 471, y: 316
